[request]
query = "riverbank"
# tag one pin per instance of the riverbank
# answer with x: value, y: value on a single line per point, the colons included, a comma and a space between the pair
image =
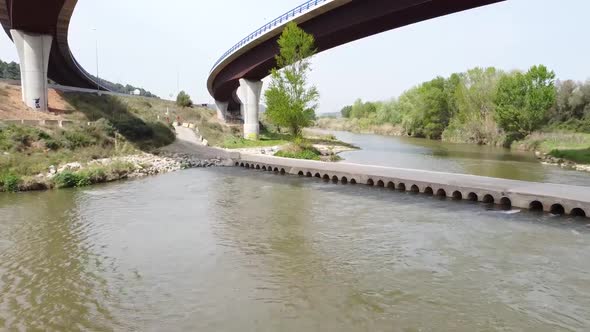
x: 358, y: 126
x: 564, y: 149
x: 87, y: 139
x: 31, y: 172
x: 105, y: 170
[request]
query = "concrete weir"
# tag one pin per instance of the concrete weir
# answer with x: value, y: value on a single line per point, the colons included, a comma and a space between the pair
x: 553, y: 198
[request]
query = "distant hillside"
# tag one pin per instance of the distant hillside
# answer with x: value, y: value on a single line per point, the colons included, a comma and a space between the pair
x: 11, y: 71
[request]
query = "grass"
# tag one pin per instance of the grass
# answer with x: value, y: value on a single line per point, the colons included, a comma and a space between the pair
x: 29, y: 151
x: 137, y: 123
x: 580, y: 156
x: 547, y: 142
x: 570, y: 146
x: 268, y: 138
x: 300, y: 151
x: 120, y: 126
x: 92, y: 175
x: 10, y: 182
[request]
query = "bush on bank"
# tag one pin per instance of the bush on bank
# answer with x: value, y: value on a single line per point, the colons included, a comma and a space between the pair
x: 10, y: 182
x: 299, y: 149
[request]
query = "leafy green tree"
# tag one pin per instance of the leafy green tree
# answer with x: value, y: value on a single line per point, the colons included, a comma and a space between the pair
x: 290, y: 102
x: 183, y: 100
x: 473, y: 99
x: 346, y: 110
x: 9, y: 71
x: 388, y: 112
x: 523, y: 100
x: 425, y: 109
x: 572, y: 107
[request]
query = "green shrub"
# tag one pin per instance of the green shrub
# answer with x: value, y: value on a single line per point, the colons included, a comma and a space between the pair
x: 83, y: 179
x: 119, y: 169
x: 581, y: 156
x: 52, y: 144
x: 10, y: 182
x: 101, y: 128
x: 162, y: 134
x: 305, y: 154
x: 75, y: 139
x: 134, y: 129
x: 19, y: 138
x: 66, y: 179
x: 96, y: 175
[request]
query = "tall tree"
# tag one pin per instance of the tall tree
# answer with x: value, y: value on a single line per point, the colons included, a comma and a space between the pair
x: 523, y: 100
x: 346, y: 111
x: 290, y: 102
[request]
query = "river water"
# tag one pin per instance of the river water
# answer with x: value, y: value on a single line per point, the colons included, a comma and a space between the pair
x: 407, y: 152
x: 229, y: 249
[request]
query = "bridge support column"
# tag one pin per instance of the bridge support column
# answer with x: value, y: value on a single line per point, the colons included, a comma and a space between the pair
x: 249, y: 95
x: 33, y: 51
x: 221, y: 109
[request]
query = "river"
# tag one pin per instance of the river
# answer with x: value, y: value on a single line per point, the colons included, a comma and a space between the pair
x: 417, y: 153
x: 229, y: 249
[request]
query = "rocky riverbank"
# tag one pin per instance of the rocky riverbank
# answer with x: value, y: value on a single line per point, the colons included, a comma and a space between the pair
x: 547, y: 159
x: 77, y: 174
x: 326, y: 151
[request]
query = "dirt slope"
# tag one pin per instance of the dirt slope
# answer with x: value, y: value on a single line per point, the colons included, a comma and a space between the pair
x: 13, y: 108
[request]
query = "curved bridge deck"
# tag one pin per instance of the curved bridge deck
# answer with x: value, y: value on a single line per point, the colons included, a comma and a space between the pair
x: 553, y: 198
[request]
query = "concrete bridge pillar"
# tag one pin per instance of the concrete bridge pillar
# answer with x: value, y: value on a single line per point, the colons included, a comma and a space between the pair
x: 249, y: 95
x: 33, y: 51
x: 221, y: 109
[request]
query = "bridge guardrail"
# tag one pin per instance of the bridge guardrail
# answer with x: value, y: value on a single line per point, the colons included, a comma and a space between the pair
x: 303, y: 8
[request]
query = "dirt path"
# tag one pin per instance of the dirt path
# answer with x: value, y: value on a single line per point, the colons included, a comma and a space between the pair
x: 188, y: 143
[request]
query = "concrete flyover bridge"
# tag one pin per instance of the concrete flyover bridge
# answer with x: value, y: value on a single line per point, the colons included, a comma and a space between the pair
x: 39, y: 30
x: 235, y: 79
x: 553, y: 198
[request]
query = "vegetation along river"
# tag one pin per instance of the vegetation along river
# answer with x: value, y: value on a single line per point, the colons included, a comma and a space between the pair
x: 228, y: 249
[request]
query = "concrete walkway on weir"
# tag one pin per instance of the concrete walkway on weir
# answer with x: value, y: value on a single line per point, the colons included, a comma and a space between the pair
x: 554, y: 198
x: 188, y: 143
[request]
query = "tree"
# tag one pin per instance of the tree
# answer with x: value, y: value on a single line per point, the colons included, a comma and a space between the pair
x: 290, y: 102
x: 9, y: 71
x: 473, y: 107
x: 183, y: 100
x: 523, y: 100
x: 346, y: 111
x: 362, y: 110
x: 425, y: 109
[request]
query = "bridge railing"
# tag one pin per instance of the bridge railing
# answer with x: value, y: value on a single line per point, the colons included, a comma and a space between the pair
x: 303, y: 8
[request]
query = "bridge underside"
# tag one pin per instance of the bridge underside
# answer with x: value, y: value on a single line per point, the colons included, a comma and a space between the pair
x: 362, y: 19
x: 48, y: 17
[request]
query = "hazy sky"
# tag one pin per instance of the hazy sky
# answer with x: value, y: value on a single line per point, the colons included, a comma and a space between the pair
x: 145, y: 43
